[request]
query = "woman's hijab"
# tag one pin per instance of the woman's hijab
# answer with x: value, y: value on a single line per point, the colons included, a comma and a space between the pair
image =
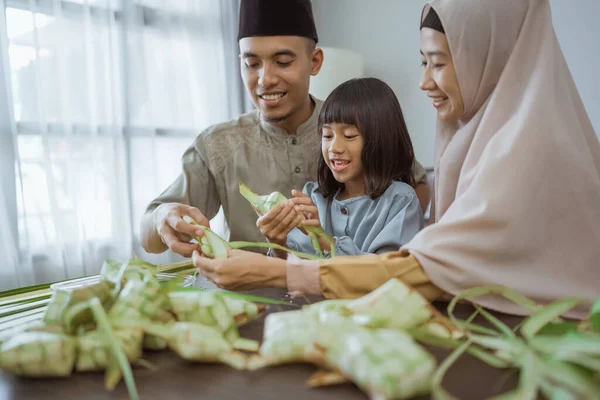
x: 517, y: 179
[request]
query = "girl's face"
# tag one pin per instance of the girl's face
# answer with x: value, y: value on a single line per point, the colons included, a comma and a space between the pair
x: 342, y: 146
x: 439, y: 77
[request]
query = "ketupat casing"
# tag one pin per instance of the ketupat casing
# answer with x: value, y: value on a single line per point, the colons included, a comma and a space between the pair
x: 206, y: 307
x: 264, y: 203
x: 136, y: 269
x: 402, y: 306
x: 94, y: 355
x: 197, y: 342
x: 141, y: 300
x: 39, y: 354
x: 243, y: 311
x: 385, y: 363
x: 398, y: 306
x: 287, y: 338
x: 62, y: 302
x: 261, y: 203
x: 185, y: 306
x: 153, y: 342
x: 211, y: 244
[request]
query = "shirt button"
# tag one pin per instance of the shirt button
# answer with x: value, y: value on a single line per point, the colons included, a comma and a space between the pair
x: 294, y: 141
x: 297, y: 170
x: 344, y: 211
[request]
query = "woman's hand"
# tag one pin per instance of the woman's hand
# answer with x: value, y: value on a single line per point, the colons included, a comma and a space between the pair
x: 243, y: 270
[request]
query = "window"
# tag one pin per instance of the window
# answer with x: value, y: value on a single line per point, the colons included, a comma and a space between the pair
x: 106, y: 96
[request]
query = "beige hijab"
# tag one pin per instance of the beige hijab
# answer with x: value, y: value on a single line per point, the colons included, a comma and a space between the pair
x: 517, y: 188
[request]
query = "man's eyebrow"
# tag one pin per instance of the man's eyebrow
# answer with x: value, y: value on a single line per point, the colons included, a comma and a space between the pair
x: 284, y: 52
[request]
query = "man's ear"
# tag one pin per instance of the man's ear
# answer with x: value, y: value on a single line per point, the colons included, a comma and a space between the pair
x: 316, y: 60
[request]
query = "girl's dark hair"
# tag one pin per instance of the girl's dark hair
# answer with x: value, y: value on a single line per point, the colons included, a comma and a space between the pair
x: 387, y: 155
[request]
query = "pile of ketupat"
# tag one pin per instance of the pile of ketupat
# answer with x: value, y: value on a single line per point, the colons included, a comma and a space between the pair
x: 106, y: 325
x: 366, y: 341
x: 374, y: 341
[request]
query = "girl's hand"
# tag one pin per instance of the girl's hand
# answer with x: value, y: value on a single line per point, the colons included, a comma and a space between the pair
x: 277, y: 223
x: 305, y: 206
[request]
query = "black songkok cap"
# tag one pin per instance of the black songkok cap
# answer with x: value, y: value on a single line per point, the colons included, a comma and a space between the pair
x: 276, y: 18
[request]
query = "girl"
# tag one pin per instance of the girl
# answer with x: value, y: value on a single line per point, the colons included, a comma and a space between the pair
x: 364, y: 196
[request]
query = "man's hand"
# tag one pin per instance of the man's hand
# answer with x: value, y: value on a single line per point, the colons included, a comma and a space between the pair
x: 174, y: 231
x: 278, y: 222
x: 242, y: 270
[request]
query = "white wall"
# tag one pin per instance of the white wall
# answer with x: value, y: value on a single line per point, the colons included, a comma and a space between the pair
x: 578, y: 29
x: 386, y: 33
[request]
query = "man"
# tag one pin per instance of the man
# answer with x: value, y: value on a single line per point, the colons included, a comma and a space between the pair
x: 274, y: 148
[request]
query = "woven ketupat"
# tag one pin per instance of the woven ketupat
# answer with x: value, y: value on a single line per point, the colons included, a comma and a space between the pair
x: 287, y: 338
x: 402, y: 306
x: 94, y: 354
x: 386, y: 364
x: 152, y: 342
x: 243, y: 311
x: 38, y: 354
x: 63, y: 300
x: 136, y: 269
x: 141, y: 300
x: 196, y: 342
x: 206, y: 307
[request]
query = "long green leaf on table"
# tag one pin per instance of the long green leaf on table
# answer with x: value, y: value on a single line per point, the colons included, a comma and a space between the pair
x: 242, y: 296
x: 501, y: 326
x: 26, y: 289
x: 530, y: 377
x: 426, y: 337
x: 19, y: 309
x: 437, y: 390
x: 114, y: 346
x: 554, y: 392
x: 547, y: 314
x: 581, y: 359
x: 513, y: 346
x: 581, y: 342
x: 595, y: 315
x: 24, y: 300
x: 576, y: 379
x: 559, y: 328
x: 500, y: 290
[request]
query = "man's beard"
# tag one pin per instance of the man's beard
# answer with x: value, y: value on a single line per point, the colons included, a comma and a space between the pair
x: 275, y: 120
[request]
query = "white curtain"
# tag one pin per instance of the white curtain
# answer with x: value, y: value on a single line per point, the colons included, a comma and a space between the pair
x: 103, y: 98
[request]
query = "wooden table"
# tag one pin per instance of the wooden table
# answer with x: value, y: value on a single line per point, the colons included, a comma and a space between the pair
x: 178, y: 379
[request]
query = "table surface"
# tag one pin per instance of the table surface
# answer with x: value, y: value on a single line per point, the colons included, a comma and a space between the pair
x: 175, y: 378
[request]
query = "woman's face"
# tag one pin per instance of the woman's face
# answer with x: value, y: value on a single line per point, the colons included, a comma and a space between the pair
x: 439, y: 77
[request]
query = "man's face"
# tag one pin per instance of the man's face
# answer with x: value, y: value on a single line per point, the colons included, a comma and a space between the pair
x: 276, y: 71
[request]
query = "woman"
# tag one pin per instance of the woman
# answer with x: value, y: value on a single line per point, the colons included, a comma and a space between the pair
x: 517, y: 197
